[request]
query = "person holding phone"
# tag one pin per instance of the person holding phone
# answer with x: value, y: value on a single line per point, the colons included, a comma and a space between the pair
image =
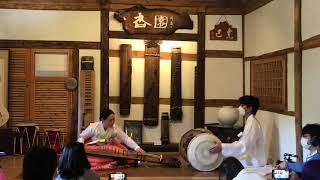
x: 310, y: 141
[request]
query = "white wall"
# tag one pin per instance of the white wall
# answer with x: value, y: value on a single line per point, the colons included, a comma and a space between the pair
x: 269, y: 28
x: 309, y: 18
x: 223, y: 78
x: 310, y: 86
x: 50, y: 25
x: 282, y: 136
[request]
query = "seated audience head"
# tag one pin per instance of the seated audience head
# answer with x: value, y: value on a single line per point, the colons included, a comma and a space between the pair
x: 310, y: 136
x: 248, y: 105
x: 230, y: 168
x: 107, y: 118
x: 73, y: 161
x: 311, y: 170
x: 39, y: 163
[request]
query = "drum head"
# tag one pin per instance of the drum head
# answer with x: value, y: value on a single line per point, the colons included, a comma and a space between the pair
x: 186, y: 139
x: 4, y: 115
x: 198, y: 153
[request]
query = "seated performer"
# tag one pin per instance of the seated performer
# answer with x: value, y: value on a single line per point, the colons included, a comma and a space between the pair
x: 250, y: 147
x: 105, y: 133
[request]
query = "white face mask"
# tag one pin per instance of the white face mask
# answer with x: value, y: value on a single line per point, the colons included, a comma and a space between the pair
x: 304, y: 143
x: 242, y: 112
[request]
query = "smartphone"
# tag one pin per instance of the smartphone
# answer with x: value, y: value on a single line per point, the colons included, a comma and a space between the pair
x: 118, y: 176
x: 280, y: 174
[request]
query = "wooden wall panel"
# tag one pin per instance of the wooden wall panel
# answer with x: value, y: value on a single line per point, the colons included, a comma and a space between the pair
x: 125, y: 78
x: 52, y: 104
x: 87, y: 91
x: 151, y: 84
x: 18, y: 94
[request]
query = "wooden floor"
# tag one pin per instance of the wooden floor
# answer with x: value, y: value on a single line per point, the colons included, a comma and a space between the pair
x: 12, y: 166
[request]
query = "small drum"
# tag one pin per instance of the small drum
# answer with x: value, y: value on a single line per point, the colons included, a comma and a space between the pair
x: 54, y: 139
x: 194, y: 148
x: 27, y: 135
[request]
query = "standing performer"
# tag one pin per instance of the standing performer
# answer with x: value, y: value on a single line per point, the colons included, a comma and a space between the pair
x: 250, y: 147
x: 106, y: 133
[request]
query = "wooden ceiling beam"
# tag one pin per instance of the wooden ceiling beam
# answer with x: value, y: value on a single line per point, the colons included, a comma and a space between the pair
x: 252, y: 5
x: 72, y: 5
x: 187, y: 6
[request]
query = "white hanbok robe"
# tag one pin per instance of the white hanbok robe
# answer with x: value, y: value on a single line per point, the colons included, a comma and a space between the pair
x: 249, y: 150
x: 94, y: 130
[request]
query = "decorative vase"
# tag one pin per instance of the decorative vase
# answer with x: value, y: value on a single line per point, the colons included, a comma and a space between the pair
x: 228, y: 116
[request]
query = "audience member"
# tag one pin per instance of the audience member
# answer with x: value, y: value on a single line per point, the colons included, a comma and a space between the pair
x: 73, y: 164
x: 39, y: 163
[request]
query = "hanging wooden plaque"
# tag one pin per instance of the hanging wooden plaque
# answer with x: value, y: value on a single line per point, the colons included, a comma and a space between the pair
x: 87, y: 78
x: 224, y: 31
x: 151, y: 84
x: 165, y: 128
x: 175, y: 99
x: 125, y: 78
x: 139, y: 19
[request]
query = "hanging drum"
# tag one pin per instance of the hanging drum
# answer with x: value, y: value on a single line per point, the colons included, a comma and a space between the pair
x: 194, y: 148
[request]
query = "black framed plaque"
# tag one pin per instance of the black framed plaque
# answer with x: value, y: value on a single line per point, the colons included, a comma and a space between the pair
x: 134, y: 130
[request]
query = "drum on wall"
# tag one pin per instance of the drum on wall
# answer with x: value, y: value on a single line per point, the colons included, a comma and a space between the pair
x: 194, y: 148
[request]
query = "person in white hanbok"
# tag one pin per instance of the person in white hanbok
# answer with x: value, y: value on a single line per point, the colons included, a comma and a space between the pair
x: 105, y: 130
x: 249, y: 150
x: 106, y: 135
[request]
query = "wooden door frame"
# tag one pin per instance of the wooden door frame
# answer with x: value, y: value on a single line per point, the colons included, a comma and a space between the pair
x: 73, y: 71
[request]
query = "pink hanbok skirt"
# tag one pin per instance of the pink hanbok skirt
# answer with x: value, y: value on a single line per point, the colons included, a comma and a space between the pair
x: 99, y: 163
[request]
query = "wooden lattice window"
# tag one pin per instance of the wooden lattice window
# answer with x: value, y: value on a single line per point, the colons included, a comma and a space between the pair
x: 269, y: 82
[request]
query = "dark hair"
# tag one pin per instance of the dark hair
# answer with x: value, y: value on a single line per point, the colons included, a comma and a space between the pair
x: 105, y: 113
x: 314, y: 131
x: 73, y: 161
x: 311, y: 171
x: 250, y: 101
x: 39, y: 163
x: 230, y: 168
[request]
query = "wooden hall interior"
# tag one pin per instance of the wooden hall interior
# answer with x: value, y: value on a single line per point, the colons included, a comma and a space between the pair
x: 62, y: 62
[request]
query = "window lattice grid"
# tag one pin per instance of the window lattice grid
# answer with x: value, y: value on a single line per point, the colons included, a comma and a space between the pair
x: 269, y: 82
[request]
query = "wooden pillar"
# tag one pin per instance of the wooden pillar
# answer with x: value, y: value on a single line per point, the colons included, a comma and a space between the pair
x: 199, y: 113
x: 243, y: 63
x: 104, y: 47
x: 75, y: 92
x: 298, y: 74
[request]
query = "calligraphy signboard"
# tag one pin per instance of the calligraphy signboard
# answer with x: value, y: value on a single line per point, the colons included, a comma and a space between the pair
x: 223, y: 31
x: 141, y: 20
